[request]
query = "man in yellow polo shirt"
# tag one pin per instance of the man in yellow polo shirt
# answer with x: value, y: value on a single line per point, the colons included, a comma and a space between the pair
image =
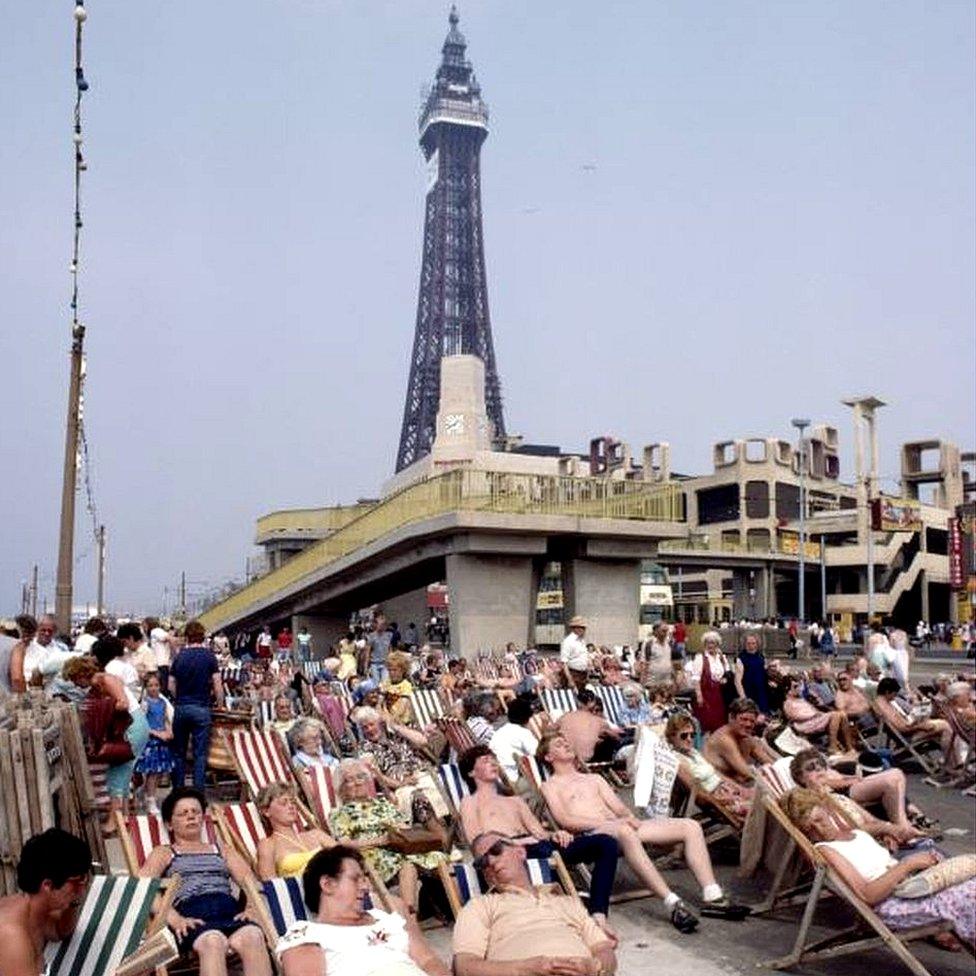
x: 518, y: 928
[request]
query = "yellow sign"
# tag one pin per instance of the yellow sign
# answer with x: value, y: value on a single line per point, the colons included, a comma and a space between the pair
x: 789, y: 542
x: 549, y: 600
x: 895, y: 515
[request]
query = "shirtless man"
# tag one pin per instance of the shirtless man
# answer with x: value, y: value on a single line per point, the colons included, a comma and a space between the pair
x: 592, y: 737
x: 585, y: 802
x: 733, y: 749
x: 52, y: 877
x: 852, y: 701
x: 485, y: 810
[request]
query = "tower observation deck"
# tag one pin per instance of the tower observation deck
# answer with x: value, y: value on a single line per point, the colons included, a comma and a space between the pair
x: 452, y: 303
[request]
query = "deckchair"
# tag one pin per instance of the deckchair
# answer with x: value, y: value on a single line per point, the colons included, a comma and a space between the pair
x: 903, y: 747
x: 427, y: 706
x: 264, y: 713
x: 462, y: 882
x: 259, y: 758
x: 242, y: 826
x: 457, y: 733
x: 558, y: 701
x: 870, y: 931
x: 612, y: 697
x: 318, y: 785
x: 280, y: 902
x: 138, y: 835
x: 311, y: 669
x: 111, y: 925
x: 454, y: 785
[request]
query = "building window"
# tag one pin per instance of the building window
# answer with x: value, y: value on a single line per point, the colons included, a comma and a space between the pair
x: 719, y: 504
x: 787, y: 501
x: 757, y: 499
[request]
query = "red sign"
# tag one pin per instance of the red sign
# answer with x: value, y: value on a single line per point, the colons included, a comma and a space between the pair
x: 956, y: 580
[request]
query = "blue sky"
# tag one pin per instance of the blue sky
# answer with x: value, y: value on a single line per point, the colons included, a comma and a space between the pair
x: 701, y: 219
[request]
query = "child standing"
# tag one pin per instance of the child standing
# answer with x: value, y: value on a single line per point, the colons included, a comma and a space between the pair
x: 157, y: 758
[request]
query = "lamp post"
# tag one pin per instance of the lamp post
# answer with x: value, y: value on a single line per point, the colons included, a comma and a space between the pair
x: 801, y: 424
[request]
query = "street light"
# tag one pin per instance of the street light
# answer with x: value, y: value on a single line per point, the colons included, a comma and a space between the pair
x: 801, y: 424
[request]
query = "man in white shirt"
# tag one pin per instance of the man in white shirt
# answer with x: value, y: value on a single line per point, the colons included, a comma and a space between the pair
x: 162, y: 648
x: 574, y: 654
x: 45, y: 654
x: 94, y: 628
x: 513, y: 739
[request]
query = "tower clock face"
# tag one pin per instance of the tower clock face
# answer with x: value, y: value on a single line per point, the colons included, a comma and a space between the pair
x: 454, y: 423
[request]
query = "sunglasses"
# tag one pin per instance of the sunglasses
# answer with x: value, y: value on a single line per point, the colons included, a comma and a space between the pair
x: 813, y: 766
x: 481, y: 861
x: 686, y: 735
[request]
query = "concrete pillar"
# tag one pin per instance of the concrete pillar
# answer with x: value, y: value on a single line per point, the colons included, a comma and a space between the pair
x: 607, y: 593
x: 326, y: 630
x: 491, y: 601
x: 745, y: 596
x: 408, y: 608
x: 923, y: 582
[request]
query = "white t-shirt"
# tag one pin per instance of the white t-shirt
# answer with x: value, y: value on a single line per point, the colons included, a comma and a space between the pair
x: 508, y: 743
x: 84, y: 643
x: 129, y: 677
x: 159, y: 642
x: 380, y: 949
x: 573, y: 653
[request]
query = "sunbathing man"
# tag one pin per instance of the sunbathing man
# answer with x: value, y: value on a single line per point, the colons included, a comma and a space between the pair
x: 520, y: 930
x: 913, y: 729
x: 486, y: 810
x: 733, y: 749
x: 592, y: 737
x: 582, y: 802
x: 52, y: 877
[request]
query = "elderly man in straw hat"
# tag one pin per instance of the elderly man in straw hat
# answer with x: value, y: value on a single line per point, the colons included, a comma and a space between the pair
x: 574, y: 654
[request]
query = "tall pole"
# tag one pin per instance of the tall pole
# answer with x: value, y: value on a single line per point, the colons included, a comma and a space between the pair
x: 823, y: 578
x: 801, y: 424
x: 66, y: 543
x: 33, y: 592
x: 100, y: 607
x: 183, y: 594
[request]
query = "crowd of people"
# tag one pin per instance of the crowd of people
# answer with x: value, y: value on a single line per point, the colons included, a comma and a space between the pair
x: 149, y: 694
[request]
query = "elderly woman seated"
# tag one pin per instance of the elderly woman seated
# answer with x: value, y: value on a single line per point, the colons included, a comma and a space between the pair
x: 308, y: 740
x: 699, y: 776
x: 205, y: 917
x: 870, y: 871
x: 344, y: 939
x: 289, y: 847
x: 807, y: 719
x: 809, y: 770
x: 391, y: 750
x: 368, y: 823
x: 636, y: 710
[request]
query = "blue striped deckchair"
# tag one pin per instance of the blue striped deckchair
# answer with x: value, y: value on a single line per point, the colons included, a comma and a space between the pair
x: 454, y: 785
x: 110, y: 926
x: 558, y: 701
x: 462, y: 881
x: 612, y: 697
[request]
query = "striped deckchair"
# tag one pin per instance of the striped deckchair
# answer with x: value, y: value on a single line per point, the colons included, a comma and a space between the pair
x: 110, y: 926
x: 776, y: 777
x: 311, y: 669
x: 242, y: 826
x: 558, y: 701
x: 428, y: 706
x: 232, y: 675
x: 462, y: 882
x: 454, y: 785
x: 259, y: 758
x: 140, y: 834
x: 318, y: 785
x: 341, y: 690
x: 612, y: 697
x: 263, y: 713
x: 457, y: 733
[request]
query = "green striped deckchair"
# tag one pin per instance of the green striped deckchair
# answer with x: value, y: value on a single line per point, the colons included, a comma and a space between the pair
x: 111, y: 925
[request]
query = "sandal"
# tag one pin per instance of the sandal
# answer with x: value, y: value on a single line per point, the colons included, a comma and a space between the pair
x: 723, y: 908
x: 683, y: 918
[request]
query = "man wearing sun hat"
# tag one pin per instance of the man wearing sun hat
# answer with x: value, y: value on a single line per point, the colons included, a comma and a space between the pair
x: 574, y: 654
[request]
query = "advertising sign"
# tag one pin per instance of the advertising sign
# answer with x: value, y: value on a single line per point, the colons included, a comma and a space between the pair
x: 789, y: 542
x: 895, y: 515
x: 956, y: 575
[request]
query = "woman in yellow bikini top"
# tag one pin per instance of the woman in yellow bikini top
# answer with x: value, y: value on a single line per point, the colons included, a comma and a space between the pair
x: 289, y: 847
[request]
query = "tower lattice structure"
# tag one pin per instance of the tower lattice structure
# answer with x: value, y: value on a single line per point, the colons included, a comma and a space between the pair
x: 452, y: 305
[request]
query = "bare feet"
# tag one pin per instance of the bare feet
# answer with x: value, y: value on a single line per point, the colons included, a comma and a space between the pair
x: 608, y: 931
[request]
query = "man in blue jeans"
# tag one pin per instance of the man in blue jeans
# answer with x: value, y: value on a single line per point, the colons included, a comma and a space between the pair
x: 195, y: 682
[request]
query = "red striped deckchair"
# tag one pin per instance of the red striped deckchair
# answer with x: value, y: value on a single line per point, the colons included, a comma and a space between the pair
x: 318, y: 785
x: 427, y: 705
x: 138, y: 835
x: 242, y: 826
x: 457, y: 733
x: 259, y: 758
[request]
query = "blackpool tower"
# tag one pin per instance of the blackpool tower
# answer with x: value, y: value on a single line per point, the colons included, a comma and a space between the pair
x: 452, y: 304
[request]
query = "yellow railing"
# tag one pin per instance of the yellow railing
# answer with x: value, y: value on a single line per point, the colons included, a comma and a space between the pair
x: 314, y: 522
x: 467, y: 491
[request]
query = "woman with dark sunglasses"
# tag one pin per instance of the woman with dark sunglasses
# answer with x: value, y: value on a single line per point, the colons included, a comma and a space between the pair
x: 698, y: 775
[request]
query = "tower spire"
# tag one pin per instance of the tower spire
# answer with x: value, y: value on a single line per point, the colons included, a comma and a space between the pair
x: 452, y: 305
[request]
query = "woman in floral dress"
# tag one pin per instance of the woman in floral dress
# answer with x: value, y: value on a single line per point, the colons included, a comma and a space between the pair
x: 364, y: 821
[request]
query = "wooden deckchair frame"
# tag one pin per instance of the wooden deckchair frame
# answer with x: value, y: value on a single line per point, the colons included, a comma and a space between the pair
x: 853, y: 939
x: 904, y: 747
